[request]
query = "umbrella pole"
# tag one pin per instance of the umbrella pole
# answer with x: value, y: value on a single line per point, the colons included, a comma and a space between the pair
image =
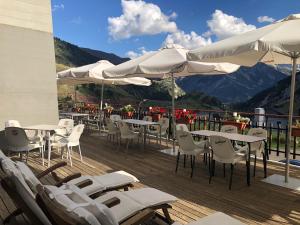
x: 101, y: 107
x: 290, y: 122
x: 173, y: 111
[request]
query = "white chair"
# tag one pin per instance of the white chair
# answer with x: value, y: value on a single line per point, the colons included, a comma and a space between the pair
x: 188, y: 147
x: 229, y: 129
x: 126, y: 133
x: 112, y: 130
x: 66, y: 126
x: 18, y: 142
x: 224, y: 152
x: 115, y: 117
x: 182, y: 126
x: 256, y: 148
x: 160, y: 130
x: 69, y: 142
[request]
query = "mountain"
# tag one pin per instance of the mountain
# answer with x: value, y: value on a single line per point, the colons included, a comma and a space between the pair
x: 236, y: 87
x: 114, y: 59
x: 275, y: 99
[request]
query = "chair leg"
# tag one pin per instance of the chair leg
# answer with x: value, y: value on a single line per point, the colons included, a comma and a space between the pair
x: 177, y: 161
x: 265, y: 164
x: 70, y: 155
x: 193, y: 158
x: 210, y: 169
x: 254, y: 168
x: 213, y: 167
x: 79, y: 148
x: 224, y: 169
x: 184, y: 159
x: 231, y: 173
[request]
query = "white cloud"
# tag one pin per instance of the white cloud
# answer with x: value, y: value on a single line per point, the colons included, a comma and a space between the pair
x: 223, y: 25
x: 140, y: 18
x: 188, y: 40
x: 77, y: 20
x: 141, y: 51
x: 58, y: 7
x: 265, y: 19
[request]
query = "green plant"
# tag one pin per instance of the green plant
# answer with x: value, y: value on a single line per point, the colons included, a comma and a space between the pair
x: 108, y: 107
x: 128, y: 108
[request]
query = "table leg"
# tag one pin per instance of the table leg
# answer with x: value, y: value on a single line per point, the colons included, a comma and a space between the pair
x: 248, y: 164
x: 145, y: 130
x: 265, y: 156
x: 49, y: 148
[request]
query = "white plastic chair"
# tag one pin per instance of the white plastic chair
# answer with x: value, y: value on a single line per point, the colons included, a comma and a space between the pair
x: 229, y: 129
x: 66, y: 126
x: 182, y: 126
x: 112, y: 130
x: 224, y: 152
x: 126, y: 133
x: 188, y: 147
x: 160, y: 130
x: 18, y: 141
x: 69, y: 142
x: 256, y: 148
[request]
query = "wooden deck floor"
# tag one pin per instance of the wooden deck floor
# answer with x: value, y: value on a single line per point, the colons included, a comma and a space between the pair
x: 260, y: 203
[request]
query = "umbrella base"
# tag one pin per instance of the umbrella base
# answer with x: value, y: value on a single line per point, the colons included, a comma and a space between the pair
x: 279, y: 180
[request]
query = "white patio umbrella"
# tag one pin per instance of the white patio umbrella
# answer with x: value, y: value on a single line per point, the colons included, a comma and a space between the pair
x: 277, y: 43
x: 92, y: 73
x: 168, y: 61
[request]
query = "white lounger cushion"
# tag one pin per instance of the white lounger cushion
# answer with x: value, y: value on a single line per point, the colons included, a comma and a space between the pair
x: 215, y: 219
x: 106, y: 181
x: 134, y: 200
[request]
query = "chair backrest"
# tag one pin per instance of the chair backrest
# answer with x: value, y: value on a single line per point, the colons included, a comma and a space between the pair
x: 147, y: 118
x: 110, y: 125
x: 182, y: 126
x: 24, y: 200
x: 115, y: 117
x: 258, y: 132
x: 66, y: 123
x: 76, y: 133
x: 124, y: 128
x: 229, y: 129
x: 164, y: 122
x: 12, y: 123
x: 222, y: 149
x: 16, y: 137
x: 69, y: 205
x: 185, y: 141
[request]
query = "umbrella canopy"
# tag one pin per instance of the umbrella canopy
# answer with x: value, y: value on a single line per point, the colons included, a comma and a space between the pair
x: 92, y: 73
x: 168, y: 61
x: 277, y: 43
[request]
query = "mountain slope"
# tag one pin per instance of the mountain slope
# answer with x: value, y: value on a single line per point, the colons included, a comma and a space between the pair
x: 114, y: 59
x: 236, y: 87
x: 275, y: 99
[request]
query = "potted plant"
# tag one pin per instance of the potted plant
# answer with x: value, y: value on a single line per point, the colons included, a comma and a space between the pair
x: 190, y: 118
x: 108, y: 108
x: 128, y: 109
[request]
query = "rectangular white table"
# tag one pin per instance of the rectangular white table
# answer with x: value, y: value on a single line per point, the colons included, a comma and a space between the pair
x: 47, y: 128
x: 236, y: 137
x: 144, y: 124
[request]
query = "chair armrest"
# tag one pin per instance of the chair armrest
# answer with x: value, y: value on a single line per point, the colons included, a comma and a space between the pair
x: 139, y: 218
x: 67, y: 179
x: 84, y: 183
x: 50, y: 169
x: 112, y: 202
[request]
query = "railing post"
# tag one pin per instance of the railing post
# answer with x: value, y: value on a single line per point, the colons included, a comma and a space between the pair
x: 270, y: 137
x: 278, y: 136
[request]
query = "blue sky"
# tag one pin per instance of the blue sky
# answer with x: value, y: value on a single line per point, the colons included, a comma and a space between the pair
x: 131, y: 28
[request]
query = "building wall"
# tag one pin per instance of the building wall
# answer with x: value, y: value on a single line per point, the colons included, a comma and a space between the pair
x: 28, y: 91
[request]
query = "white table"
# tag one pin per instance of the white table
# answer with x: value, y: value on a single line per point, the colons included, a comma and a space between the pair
x: 236, y: 137
x: 73, y: 115
x: 144, y: 124
x: 47, y: 128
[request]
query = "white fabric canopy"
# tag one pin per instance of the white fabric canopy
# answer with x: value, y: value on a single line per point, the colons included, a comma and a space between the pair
x: 168, y: 61
x: 92, y: 73
x: 277, y: 43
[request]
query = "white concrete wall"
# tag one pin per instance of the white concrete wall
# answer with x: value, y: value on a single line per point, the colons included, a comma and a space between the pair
x: 28, y: 91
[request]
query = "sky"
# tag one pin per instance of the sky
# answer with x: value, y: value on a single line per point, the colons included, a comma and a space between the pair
x: 130, y: 28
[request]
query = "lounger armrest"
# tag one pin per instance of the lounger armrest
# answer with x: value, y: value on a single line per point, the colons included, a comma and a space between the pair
x: 67, y: 179
x: 111, y: 202
x: 139, y: 218
x: 84, y: 183
x: 50, y: 169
